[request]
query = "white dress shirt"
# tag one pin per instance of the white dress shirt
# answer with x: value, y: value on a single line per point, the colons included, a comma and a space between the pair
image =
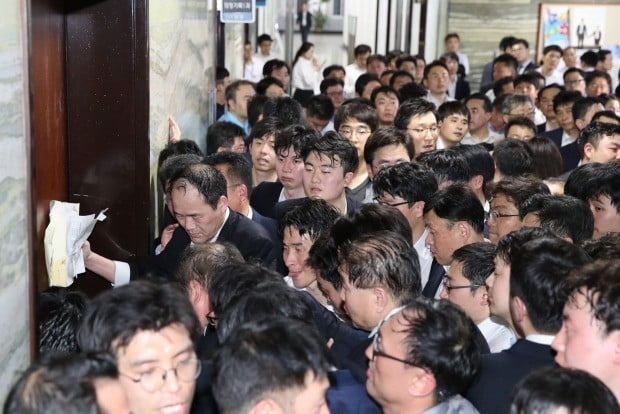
x: 498, y: 336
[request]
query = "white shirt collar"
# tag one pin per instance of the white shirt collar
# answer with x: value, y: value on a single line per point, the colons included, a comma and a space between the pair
x: 540, y: 339
x: 250, y: 213
x: 222, y: 226
x: 388, y: 316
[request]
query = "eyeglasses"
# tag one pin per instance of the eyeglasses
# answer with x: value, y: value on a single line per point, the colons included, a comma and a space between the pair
x: 419, y: 131
x: 573, y: 82
x: 335, y: 94
x: 212, y: 320
x: 347, y: 132
x: 496, y: 216
x: 376, y: 352
x: 517, y: 137
x: 531, y: 112
x: 155, y: 378
x: 448, y: 287
x: 385, y: 203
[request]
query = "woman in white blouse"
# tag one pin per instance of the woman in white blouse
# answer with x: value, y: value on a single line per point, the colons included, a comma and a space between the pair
x: 306, y: 75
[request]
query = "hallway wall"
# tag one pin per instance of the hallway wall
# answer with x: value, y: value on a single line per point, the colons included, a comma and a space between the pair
x: 14, y: 195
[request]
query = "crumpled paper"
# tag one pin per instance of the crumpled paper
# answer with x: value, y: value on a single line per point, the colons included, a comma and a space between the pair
x: 63, y: 241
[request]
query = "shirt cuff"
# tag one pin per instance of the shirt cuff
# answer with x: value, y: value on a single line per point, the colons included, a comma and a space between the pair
x: 158, y: 249
x: 122, y: 274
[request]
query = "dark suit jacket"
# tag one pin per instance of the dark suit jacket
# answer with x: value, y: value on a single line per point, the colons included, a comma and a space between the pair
x: 345, y: 395
x: 491, y: 390
x: 530, y: 66
x: 264, y: 198
x: 250, y: 238
x: 272, y: 228
x: 541, y: 128
x: 308, y: 19
x: 462, y: 88
x: 570, y: 153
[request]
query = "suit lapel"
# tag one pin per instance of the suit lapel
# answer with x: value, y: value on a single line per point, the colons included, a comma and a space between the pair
x: 434, y: 280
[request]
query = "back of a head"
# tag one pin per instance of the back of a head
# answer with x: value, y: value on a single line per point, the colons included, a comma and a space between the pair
x: 457, y: 202
x: 286, y: 110
x: 508, y: 245
x: 538, y: 274
x: 411, y: 90
x: 519, y: 189
x: 547, y: 158
x: 115, y: 316
x: 222, y: 134
x: 411, y: 182
x: 368, y: 219
x: 563, y: 215
x: 555, y: 389
x: 310, y: 218
x: 383, y: 259
x: 184, y: 146
x: 209, y: 182
x: 268, y: 300
x: 60, y: 384
x: 479, y: 160
x: 59, y: 314
x: 440, y: 339
x: 580, y: 181
x: 321, y: 107
x: 262, y: 359
x: 448, y: 166
x: 233, y: 281
x: 513, y: 158
x: 174, y: 165
x: 606, y: 247
x: 200, y: 261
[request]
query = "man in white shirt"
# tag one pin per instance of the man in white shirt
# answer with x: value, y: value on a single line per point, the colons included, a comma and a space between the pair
x: 520, y: 49
x: 465, y: 286
x: 552, y: 55
x: 408, y: 187
x: 453, y: 44
x: 355, y: 69
x: 436, y: 80
x: 263, y: 55
x: 480, y: 108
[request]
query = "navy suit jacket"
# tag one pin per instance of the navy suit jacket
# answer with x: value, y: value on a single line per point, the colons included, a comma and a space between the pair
x: 252, y: 240
x: 462, y: 88
x: 265, y: 196
x: 570, y: 153
x: 491, y: 390
x: 345, y: 395
x: 272, y: 228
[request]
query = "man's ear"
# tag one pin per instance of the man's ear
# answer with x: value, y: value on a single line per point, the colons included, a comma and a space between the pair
x: 476, y: 182
x: 418, y: 209
x: 505, y: 118
x: 347, y: 178
x: 422, y: 383
x: 381, y: 299
x: 369, y: 171
x: 425, y: 83
x: 195, y: 291
x: 222, y: 203
x: 580, y: 124
x: 518, y: 311
x: 266, y: 406
x: 464, y: 230
x: 588, y: 149
x: 242, y: 190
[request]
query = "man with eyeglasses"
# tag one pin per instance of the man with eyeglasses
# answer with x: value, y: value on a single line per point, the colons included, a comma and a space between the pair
x: 356, y: 122
x: 574, y: 81
x: 465, y: 286
x: 507, y: 197
x: 150, y: 328
x: 408, y: 187
x: 422, y: 358
x: 518, y: 105
x: 537, y: 293
x: 418, y: 117
x: 437, y: 80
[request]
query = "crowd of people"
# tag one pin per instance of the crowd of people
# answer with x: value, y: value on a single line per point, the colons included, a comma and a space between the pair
x: 385, y: 240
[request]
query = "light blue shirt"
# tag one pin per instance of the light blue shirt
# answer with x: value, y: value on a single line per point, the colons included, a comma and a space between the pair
x: 230, y: 117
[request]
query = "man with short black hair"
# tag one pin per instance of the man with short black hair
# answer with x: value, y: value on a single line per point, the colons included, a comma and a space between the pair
x: 436, y: 78
x: 418, y: 118
x: 597, y: 83
x: 599, y: 142
x: 552, y: 55
x: 376, y: 65
x: 333, y: 88
x: 385, y: 100
x: 225, y: 136
x: 538, y: 273
x: 421, y: 358
x: 453, y: 122
x: 320, y: 113
x: 520, y: 49
x: 270, y: 87
x: 278, y: 69
x: 566, y: 136
x: 355, y: 69
x: 387, y: 147
x: 574, y: 80
x: 479, y: 106
x: 520, y: 128
x: 513, y: 158
x: 545, y: 103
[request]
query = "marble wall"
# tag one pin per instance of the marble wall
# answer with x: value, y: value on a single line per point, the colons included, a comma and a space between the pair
x: 14, y: 310
x: 182, y: 72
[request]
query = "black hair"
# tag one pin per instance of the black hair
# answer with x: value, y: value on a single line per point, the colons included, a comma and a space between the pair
x: 547, y: 87
x: 331, y: 68
x: 173, y: 166
x: 521, y: 41
x: 405, y: 58
x: 209, y: 182
x: 451, y: 35
x: 477, y: 261
x: 274, y: 64
x: 595, y: 132
x: 580, y: 181
x: 508, y: 60
x: 564, y: 215
x: 606, y: 247
x: 296, y: 136
x: 221, y: 73
x: 446, y: 165
x: 518, y: 189
x: 265, y: 83
x: 449, y: 55
x: 256, y: 107
x: 200, y: 261
x: 565, y: 98
x: 452, y: 108
x: 552, y: 388
x: 369, y: 219
x: 398, y: 74
x: 440, y: 339
x: 384, y: 89
x: 433, y: 64
x: 372, y: 58
x: 239, y: 168
x: 513, y: 158
x: 506, y: 42
x: 547, y: 158
x: 288, y: 350
x: 264, y: 127
x: 339, y: 150
x: 607, y: 114
x: 590, y: 76
x: 385, y: 259
x: 115, y: 316
x: 522, y: 121
x: 60, y: 384
x: 358, y: 111
x: 410, y: 109
x: 321, y: 107
x: 323, y: 258
x: 571, y: 70
x: 310, y: 218
x: 538, y: 274
x: 328, y: 83
x: 527, y: 78
x: 410, y: 91
x: 508, y: 244
x: 498, y: 87
x: 181, y: 147
x: 263, y: 38
x: 286, y: 109
x: 607, y: 183
x: 486, y: 102
x: 553, y: 48
x: 582, y: 106
x: 235, y: 280
x: 59, y: 313
x: 384, y: 137
x: 479, y: 161
x: 363, y: 80
x: 457, y: 202
x: 361, y: 50
x: 222, y: 134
